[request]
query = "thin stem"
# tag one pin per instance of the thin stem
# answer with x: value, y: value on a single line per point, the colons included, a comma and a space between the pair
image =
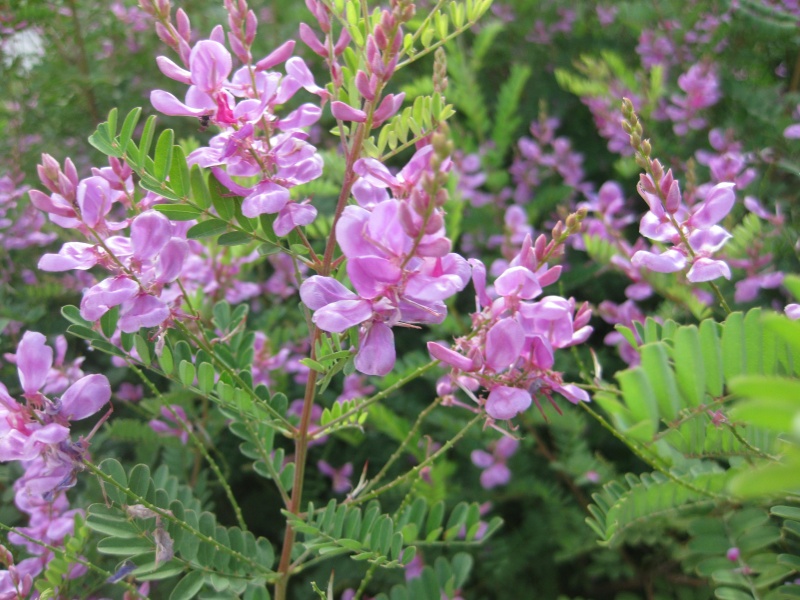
x: 647, y: 457
x: 379, y: 396
x: 416, y: 470
x: 301, y: 448
x: 365, y: 581
x: 411, y: 434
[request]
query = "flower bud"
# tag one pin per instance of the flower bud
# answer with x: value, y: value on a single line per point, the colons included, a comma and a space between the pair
x: 184, y: 25
x: 250, y: 25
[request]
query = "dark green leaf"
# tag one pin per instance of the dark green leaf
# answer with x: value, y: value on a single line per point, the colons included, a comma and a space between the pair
x: 208, y: 228
x: 162, y: 160
x: 178, y: 212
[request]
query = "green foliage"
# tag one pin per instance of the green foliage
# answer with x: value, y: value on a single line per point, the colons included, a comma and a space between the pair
x: 388, y: 541
x: 206, y: 553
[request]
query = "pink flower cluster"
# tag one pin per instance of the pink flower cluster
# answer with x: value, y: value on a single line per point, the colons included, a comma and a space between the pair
x: 36, y: 434
x: 694, y: 233
x: 398, y: 261
x: 542, y: 156
x: 254, y: 142
x: 142, y: 264
x: 700, y: 85
x: 510, y: 351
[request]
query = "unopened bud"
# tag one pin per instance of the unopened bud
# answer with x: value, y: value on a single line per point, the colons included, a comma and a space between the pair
x: 440, y: 70
x: 558, y: 231
x: 658, y: 170
x: 646, y: 148
x: 184, y: 25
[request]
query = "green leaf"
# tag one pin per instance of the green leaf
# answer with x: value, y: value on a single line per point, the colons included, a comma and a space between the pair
x: 179, y: 177
x: 162, y: 160
x: 84, y: 332
x: 208, y: 228
x: 186, y: 372
x: 689, y: 366
x: 178, y: 212
x: 73, y: 315
x: 124, y: 547
x: 220, y: 198
x: 108, y: 322
x: 111, y: 123
x: 188, y: 587
x: 165, y: 360
x: 128, y: 127
x: 786, y: 512
x: 655, y: 363
x: 139, y: 480
x: 200, y: 193
x: 146, y: 141
x: 205, y: 377
x: 234, y: 238
x: 143, y: 349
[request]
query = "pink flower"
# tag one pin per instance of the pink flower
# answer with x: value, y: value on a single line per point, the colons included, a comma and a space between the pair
x: 340, y: 477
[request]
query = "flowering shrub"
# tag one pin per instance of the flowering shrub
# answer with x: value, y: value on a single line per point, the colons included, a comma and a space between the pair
x: 364, y: 302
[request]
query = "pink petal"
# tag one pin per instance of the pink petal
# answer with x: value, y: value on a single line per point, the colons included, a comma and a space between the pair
x: 340, y: 316
x: 504, y: 342
x: 150, y: 231
x: 345, y: 112
x: 449, y: 356
x: 792, y: 132
x: 34, y: 359
x: 304, y: 116
x: 108, y: 293
x: 506, y: 402
x: 85, y: 397
x: 142, y: 311
x: 173, y: 71
x: 717, y: 205
x: 377, y: 354
x: 666, y: 262
x: 482, y: 459
x: 267, y: 198
x: 318, y: 291
x: 572, y: 393
x: 519, y: 282
x: 73, y: 255
x: 277, y: 56
x: 170, y: 260
x: 167, y: 104
x: 706, y: 269
x: 372, y: 275
x: 210, y: 64
x: 496, y: 475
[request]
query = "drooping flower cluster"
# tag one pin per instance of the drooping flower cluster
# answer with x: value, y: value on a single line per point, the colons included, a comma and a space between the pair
x: 254, y: 142
x: 398, y: 259
x: 510, y: 352
x: 36, y: 434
